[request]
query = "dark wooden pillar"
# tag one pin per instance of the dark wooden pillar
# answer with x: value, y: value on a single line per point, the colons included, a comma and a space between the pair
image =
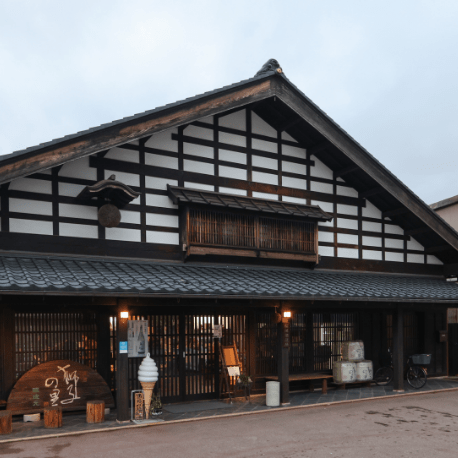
x: 252, y: 344
x: 103, y: 345
x: 309, y: 343
x: 7, y: 357
x: 283, y: 360
x: 122, y: 371
x: 398, y: 349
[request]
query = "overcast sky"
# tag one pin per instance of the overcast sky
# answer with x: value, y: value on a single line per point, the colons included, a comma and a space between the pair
x: 385, y: 71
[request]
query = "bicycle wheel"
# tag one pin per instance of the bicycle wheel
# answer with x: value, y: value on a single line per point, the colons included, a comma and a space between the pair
x: 416, y: 377
x: 384, y: 375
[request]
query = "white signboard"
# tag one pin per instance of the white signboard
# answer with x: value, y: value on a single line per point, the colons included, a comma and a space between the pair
x: 217, y: 331
x: 137, y: 334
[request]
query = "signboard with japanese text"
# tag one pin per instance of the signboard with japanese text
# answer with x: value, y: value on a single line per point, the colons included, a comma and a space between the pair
x: 58, y: 383
x: 137, y: 335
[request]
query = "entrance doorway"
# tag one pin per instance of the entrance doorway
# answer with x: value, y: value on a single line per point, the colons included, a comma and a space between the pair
x: 187, y: 355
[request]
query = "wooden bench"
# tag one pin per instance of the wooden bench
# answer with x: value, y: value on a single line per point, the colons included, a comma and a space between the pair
x: 310, y: 377
x: 342, y: 386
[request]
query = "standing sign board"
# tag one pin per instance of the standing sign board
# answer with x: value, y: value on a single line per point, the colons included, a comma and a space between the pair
x: 137, y: 334
x: 62, y: 383
x: 217, y: 331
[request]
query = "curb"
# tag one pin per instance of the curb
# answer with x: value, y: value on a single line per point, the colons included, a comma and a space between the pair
x: 228, y: 415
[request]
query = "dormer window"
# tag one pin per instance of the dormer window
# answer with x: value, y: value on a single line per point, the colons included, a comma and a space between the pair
x: 228, y: 225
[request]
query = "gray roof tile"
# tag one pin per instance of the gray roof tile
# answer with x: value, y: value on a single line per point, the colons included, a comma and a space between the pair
x: 83, y: 276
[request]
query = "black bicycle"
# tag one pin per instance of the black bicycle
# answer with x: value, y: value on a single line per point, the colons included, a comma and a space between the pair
x: 416, y: 373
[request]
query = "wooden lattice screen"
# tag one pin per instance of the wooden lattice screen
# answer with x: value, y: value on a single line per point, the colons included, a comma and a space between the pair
x: 226, y: 229
x: 42, y: 337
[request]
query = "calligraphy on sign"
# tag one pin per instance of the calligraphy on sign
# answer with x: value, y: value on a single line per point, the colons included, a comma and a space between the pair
x: 58, y: 383
x: 70, y: 388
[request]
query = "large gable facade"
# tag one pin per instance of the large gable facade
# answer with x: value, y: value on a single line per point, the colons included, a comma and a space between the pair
x: 248, y: 181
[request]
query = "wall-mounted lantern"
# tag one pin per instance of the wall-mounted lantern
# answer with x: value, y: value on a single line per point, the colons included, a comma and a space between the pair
x: 116, y: 194
x: 124, y: 315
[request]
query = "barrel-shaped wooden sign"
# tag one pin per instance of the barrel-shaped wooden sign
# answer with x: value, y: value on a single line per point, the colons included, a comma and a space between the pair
x: 58, y: 383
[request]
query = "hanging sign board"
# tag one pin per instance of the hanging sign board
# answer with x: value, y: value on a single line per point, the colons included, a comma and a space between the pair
x: 123, y: 347
x: 137, y: 334
x: 217, y: 331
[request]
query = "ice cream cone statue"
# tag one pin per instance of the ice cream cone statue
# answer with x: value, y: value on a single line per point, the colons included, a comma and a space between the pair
x: 147, y: 376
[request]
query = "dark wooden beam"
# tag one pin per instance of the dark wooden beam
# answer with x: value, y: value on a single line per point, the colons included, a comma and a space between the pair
x: 114, y: 135
x: 122, y: 369
x: 438, y: 249
x: 398, y: 349
x: 419, y: 230
x: 308, y: 111
x: 289, y: 123
x: 318, y: 148
x: 395, y: 212
x: 371, y: 192
x: 346, y: 171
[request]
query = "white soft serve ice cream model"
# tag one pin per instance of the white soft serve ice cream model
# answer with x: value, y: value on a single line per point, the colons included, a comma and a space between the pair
x: 147, y: 376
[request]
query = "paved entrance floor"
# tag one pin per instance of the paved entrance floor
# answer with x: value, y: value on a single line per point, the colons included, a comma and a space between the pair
x: 76, y: 423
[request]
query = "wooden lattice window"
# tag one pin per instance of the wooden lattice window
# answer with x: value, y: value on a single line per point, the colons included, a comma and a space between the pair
x: 210, y: 231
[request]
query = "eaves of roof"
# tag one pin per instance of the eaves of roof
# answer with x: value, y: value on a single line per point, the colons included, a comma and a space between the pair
x: 22, y: 275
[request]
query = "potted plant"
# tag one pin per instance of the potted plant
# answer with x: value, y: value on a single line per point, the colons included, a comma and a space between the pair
x: 156, y: 405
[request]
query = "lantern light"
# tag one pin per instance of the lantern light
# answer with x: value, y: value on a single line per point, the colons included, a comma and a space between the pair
x: 125, y: 315
x: 286, y: 314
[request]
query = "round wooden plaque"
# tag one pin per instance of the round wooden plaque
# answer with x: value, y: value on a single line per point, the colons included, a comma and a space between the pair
x: 109, y: 215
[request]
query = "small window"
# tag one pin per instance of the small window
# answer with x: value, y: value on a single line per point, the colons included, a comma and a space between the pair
x: 218, y: 232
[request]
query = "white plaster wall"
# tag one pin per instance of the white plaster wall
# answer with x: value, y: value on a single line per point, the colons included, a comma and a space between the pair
x: 156, y: 219
x: 124, y: 235
x: 161, y: 161
x: 159, y: 201
x: 78, y: 230
x: 321, y: 187
x: 78, y: 211
x: 232, y: 172
x: 260, y: 177
x: 264, y: 146
x: 198, y: 167
x: 293, y: 151
x: 35, y: 207
x: 264, y: 195
x: 30, y: 227
x: 240, y: 192
x: 232, y: 156
x: 123, y: 155
x: 235, y: 120
x: 259, y: 126
x: 130, y: 179
x: 198, y: 150
x: 199, y: 132
x: 31, y: 185
x: 232, y: 139
x: 78, y: 169
x: 167, y: 238
x: 292, y: 167
x: 295, y: 183
x: 266, y: 162
x: 163, y: 141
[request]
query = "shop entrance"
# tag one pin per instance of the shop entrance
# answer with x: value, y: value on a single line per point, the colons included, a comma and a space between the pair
x: 187, y: 355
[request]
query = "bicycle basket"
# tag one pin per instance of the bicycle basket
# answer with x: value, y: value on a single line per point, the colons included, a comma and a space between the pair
x: 421, y: 359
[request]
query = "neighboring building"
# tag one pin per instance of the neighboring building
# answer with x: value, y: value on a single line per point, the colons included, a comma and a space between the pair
x: 235, y: 203
x: 448, y: 210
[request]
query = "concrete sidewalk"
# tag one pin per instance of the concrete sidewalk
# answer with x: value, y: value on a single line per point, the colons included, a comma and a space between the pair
x: 76, y: 423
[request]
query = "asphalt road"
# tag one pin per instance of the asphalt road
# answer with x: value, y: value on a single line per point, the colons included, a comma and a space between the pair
x: 414, y: 426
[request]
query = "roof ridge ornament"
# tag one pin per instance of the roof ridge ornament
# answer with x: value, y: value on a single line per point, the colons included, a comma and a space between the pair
x: 271, y: 65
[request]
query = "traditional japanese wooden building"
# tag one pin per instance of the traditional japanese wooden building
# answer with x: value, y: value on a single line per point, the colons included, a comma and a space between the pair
x: 228, y: 208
